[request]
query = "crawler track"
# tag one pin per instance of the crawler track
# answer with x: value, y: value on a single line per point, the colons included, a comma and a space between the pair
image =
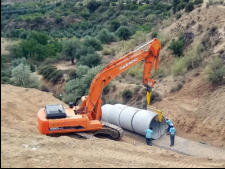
x: 109, y: 130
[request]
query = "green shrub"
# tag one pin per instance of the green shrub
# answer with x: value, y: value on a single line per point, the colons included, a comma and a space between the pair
x: 81, y: 70
x: 56, y: 76
x: 114, y: 25
x: 127, y: 95
x: 47, y: 70
x: 72, y: 74
x: 92, y: 5
x: 124, y: 33
x: 80, y: 86
x: 15, y: 51
x: 6, y: 74
x: 18, y: 61
x: 154, y: 34
x: 40, y: 37
x: 192, y: 59
x: 32, y: 68
x: 21, y: 76
x: 189, y: 7
x: 177, y: 47
x: 5, y: 80
x: 216, y: 71
x: 93, y: 42
x: 196, y: 2
x: 70, y: 49
x: 108, y: 51
x: 51, y: 73
x: 106, y: 37
x: 90, y: 60
x: 36, y: 47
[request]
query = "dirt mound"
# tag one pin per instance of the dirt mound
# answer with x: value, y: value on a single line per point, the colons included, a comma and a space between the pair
x: 23, y: 146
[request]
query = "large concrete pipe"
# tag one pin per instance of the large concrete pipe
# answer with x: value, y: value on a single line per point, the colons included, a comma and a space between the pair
x: 133, y: 119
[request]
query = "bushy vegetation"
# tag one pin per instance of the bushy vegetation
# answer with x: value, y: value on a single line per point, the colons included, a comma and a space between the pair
x: 83, y: 51
x: 21, y: 76
x: 216, y: 71
x: 188, y: 5
x: 106, y: 37
x: 90, y: 60
x: 37, y: 47
x: 93, y: 5
x: 93, y: 42
x: 79, y: 86
x: 51, y: 73
x: 108, y: 51
x: 18, y: 72
x: 114, y: 25
x: 192, y: 59
x: 80, y: 18
x: 71, y: 49
x: 124, y: 33
x: 177, y: 47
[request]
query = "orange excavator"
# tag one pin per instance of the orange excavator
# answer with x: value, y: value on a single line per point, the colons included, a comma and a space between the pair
x: 55, y: 119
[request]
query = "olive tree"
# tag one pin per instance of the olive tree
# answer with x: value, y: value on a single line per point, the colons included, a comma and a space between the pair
x: 71, y: 49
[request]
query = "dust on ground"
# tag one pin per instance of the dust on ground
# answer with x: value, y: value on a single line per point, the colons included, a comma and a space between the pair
x: 23, y: 146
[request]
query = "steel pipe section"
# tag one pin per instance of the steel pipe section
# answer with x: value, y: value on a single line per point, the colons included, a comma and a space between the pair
x: 133, y: 119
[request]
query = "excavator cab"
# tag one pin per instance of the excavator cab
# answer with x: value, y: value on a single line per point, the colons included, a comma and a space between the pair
x: 55, y: 111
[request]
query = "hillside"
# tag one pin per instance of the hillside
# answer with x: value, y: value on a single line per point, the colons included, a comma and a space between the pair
x: 195, y: 105
x: 23, y: 146
x: 58, y: 47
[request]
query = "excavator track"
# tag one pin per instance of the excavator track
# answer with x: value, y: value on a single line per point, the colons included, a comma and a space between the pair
x: 109, y: 130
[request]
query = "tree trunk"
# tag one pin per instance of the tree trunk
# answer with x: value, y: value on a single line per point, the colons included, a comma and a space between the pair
x: 72, y: 61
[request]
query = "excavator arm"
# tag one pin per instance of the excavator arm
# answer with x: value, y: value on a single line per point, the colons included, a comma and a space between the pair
x: 92, y: 104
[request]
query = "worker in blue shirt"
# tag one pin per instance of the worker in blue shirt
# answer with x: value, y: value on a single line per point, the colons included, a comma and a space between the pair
x: 172, y: 135
x: 149, y: 133
x: 170, y: 124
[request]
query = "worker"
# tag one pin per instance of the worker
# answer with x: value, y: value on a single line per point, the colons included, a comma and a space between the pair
x: 170, y: 124
x: 149, y: 133
x: 172, y: 135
